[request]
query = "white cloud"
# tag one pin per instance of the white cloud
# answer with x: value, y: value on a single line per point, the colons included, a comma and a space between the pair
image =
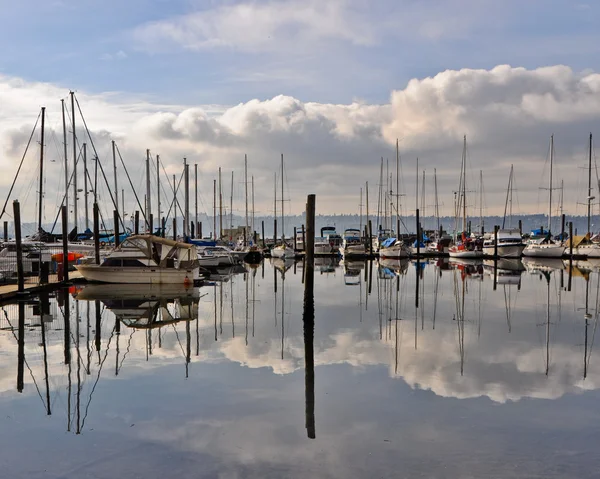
x: 259, y: 26
x: 507, y: 114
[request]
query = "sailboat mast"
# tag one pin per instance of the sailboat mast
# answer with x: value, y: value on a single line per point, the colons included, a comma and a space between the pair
x: 195, y: 199
x: 41, y: 191
x: 550, y: 185
x: 114, y: 174
x: 215, y: 209
x: 246, y: 194
x: 220, y: 206
x: 282, y: 225
x: 231, y: 206
x: 417, y: 195
x: 464, y: 185
x: 437, y: 206
x: 85, y: 188
x: 379, y: 195
x: 148, y: 201
x: 75, y: 219
x: 367, y: 195
x: 65, y: 155
x: 158, y: 216
x: 481, y: 201
x: 423, y: 197
x: 589, y: 201
x: 397, y: 189
x: 252, y: 222
x: 275, y: 208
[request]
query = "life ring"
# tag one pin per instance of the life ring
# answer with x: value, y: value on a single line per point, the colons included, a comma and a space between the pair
x: 103, y: 243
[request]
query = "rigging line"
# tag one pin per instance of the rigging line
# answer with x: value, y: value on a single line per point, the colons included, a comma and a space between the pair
x: 12, y: 330
x: 142, y: 210
x: 87, y: 406
x: 174, y: 190
x: 98, y: 163
x: 20, y: 165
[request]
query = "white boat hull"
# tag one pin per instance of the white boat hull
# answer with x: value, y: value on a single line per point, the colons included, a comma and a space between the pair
x: 353, y: 251
x: 325, y: 249
x: 589, y: 251
x: 393, y: 253
x: 544, y: 251
x: 466, y: 254
x: 284, y: 253
x: 137, y: 275
x: 505, y: 251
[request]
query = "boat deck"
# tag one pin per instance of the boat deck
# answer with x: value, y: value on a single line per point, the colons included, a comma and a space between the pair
x: 10, y: 291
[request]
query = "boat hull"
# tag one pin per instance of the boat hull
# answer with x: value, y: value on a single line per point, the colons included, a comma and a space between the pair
x: 589, y: 251
x: 505, y: 251
x: 353, y: 251
x: 325, y: 250
x: 544, y: 251
x: 466, y: 254
x: 135, y: 275
x: 393, y: 253
x: 284, y: 253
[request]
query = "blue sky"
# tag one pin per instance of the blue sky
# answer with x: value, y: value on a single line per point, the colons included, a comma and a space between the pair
x: 91, y: 45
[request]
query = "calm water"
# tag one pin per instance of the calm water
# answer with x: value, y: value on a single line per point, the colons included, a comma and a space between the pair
x: 419, y: 371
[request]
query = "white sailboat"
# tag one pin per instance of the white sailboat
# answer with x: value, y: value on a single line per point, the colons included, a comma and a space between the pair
x: 283, y: 250
x: 546, y: 247
x: 466, y: 247
x: 585, y: 247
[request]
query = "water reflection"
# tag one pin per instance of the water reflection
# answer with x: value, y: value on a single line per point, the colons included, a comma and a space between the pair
x: 441, y: 329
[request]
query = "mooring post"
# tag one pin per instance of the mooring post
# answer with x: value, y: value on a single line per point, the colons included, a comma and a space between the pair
x: 117, y: 233
x: 520, y: 227
x: 562, y: 228
x: 19, y: 247
x: 303, y: 238
x: 200, y: 229
x: 65, y: 244
x: 5, y: 231
x: 21, y: 340
x: 96, y: 215
x: 174, y: 229
x: 163, y: 226
x: 496, y: 241
x: 136, y: 224
x: 151, y: 225
x: 571, y: 239
x: 275, y: 232
x: 262, y: 226
x: 308, y: 317
x: 295, y: 242
x: 418, y: 239
x: 370, y: 238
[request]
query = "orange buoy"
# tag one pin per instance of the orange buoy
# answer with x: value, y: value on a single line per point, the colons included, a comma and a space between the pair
x: 58, y: 257
x: 186, y: 281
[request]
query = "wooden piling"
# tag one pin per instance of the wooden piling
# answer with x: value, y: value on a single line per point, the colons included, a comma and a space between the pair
x: 20, y: 272
x: 496, y: 241
x: 116, y: 222
x: 418, y: 238
x: 295, y: 242
x: 174, y: 229
x: 275, y: 232
x: 308, y: 318
x: 200, y: 229
x: 136, y: 224
x: 163, y: 226
x: 96, y: 215
x: 151, y: 225
x: 571, y: 239
x: 370, y: 238
x: 5, y: 231
x: 65, y: 244
x: 520, y: 227
x: 262, y: 225
x: 309, y: 245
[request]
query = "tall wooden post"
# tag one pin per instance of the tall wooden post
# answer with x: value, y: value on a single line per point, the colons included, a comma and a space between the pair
x: 65, y: 244
x: 20, y: 272
x: 117, y: 234
x: 136, y: 224
x: 308, y: 318
x: 370, y: 238
x: 496, y: 241
x: 295, y: 242
x: 200, y: 229
x: 163, y: 227
x: 562, y: 228
x: 5, y: 231
x: 96, y: 215
x: 418, y: 234
x: 174, y: 229
x: 262, y: 226
x: 21, y: 345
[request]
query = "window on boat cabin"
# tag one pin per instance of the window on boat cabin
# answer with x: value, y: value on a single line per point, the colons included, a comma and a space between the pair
x: 118, y: 262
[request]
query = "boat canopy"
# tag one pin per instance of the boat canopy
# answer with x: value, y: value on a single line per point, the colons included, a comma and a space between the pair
x: 160, y: 249
x: 388, y: 242
x: 579, y: 240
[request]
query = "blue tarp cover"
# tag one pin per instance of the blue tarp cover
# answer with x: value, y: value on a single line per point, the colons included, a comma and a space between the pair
x: 388, y: 242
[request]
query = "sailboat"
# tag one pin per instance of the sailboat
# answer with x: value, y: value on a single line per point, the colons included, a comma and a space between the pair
x: 510, y: 242
x: 546, y: 247
x: 466, y: 247
x: 393, y: 247
x: 585, y: 247
x: 283, y: 250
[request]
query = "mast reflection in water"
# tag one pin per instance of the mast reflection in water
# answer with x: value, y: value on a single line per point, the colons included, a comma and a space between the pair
x: 408, y: 355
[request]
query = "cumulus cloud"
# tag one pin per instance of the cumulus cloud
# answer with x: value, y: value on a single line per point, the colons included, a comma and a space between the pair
x: 508, y: 114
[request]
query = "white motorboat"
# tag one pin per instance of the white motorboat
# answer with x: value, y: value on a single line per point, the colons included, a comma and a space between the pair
x: 283, y: 251
x: 392, y: 248
x: 352, y: 245
x: 328, y: 243
x: 510, y: 244
x: 544, y: 249
x: 213, y: 256
x: 146, y: 259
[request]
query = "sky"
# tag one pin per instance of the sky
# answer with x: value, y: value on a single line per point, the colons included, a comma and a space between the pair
x: 331, y: 85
